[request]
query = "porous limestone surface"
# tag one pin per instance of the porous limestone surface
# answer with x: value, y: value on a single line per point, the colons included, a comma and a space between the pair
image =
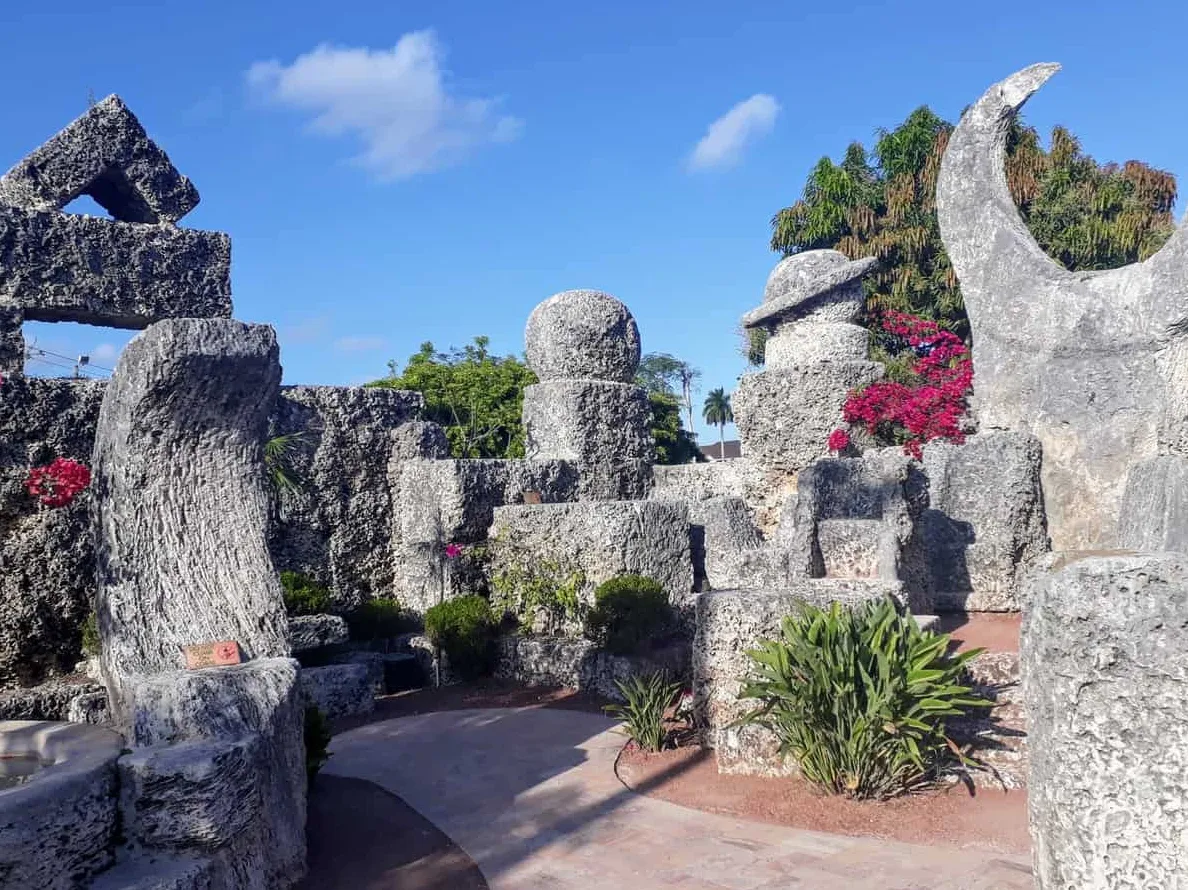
x: 984, y: 525
x: 106, y: 154
x: 1105, y: 683
x: 1091, y: 363
x: 602, y: 427
x: 58, y: 827
x: 339, y: 690
x: 179, y: 467
x: 603, y: 539
x: 308, y: 632
x: 582, y: 334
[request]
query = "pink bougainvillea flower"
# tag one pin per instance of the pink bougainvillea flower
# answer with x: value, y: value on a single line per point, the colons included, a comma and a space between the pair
x: 453, y: 551
x: 839, y: 440
x: 58, y: 483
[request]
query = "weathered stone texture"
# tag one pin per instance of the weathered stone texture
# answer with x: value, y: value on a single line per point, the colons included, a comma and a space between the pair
x: 1154, y: 513
x: 580, y: 335
x: 602, y: 538
x: 61, y: 267
x: 107, y: 155
x: 261, y: 701
x: 765, y: 490
x: 729, y: 622
x: 439, y: 502
x: 47, y: 560
x: 309, y: 632
x: 785, y: 415
x: 339, y: 690
x: 337, y: 527
x: 182, y: 507
x: 578, y: 664
x: 1078, y: 359
x: 58, y: 828
x: 1106, y: 687
x: 985, y: 521
x: 604, y: 428
x: 54, y: 700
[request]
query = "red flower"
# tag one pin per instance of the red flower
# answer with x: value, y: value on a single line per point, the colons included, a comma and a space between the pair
x: 453, y: 551
x: 58, y: 483
x: 839, y: 440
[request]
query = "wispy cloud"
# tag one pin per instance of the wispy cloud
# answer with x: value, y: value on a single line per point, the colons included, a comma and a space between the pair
x: 359, y: 344
x: 397, y: 102
x: 727, y: 137
x: 307, y: 330
x: 105, y: 354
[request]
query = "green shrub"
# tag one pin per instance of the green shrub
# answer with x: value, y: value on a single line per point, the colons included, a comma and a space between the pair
x: 303, y: 595
x: 380, y: 619
x: 528, y: 587
x: 317, y: 742
x: 647, y: 700
x: 90, y: 636
x: 860, y: 698
x: 629, y: 611
x: 465, y: 630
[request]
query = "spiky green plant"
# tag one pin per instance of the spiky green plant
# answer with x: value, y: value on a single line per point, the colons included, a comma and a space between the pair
x: 860, y: 698
x: 278, y: 460
x: 646, y: 699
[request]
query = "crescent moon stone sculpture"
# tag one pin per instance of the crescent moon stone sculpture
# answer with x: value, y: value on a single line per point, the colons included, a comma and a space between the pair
x: 1095, y: 364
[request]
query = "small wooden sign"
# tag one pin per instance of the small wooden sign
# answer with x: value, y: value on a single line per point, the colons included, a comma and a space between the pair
x: 532, y: 497
x: 206, y: 655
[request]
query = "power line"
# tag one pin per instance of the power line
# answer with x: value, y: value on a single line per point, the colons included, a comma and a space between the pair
x: 68, y: 358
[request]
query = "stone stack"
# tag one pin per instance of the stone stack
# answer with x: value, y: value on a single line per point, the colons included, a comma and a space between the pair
x: 583, y: 346
x: 815, y: 356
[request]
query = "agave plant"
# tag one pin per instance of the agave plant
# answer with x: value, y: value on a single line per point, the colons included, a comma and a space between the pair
x: 860, y: 698
x: 646, y: 699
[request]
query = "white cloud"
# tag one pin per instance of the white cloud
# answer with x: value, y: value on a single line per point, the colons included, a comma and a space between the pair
x: 396, y: 102
x: 105, y: 353
x: 724, y: 141
x: 359, y: 344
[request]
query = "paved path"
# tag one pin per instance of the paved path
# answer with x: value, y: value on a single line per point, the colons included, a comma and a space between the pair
x: 532, y: 796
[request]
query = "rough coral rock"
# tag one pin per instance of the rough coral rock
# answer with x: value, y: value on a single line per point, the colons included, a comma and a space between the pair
x: 309, y: 632
x: 47, y: 561
x: 785, y: 415
x: 765, y: 490
x: 579, y: 664
x: 107, y: 155
x: 339, y: 690
x: 984, y: 524
x: 818, y: 286
x: 582, y: 334
x: 182, y: 508
x: 336, y: 527
x: 1091, y: 363
x: 1154, y: 513
x: 1105, y: 683
x: 603, y: 539
x: 604, y: 428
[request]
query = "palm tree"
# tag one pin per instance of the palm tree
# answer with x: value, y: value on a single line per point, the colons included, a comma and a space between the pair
x: 717, y: 412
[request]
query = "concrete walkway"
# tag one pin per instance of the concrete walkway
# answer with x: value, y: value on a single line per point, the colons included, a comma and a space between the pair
x: 532, y: 796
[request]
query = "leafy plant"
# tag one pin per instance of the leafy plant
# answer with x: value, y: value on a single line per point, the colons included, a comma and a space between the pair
x: 380, y: 619
x: 317, y: 742
x: 90, y: 636
x: 629, y: 610
x: 646, y: 699
x: 303, y: 595
x: 528, y: 587
x: 860, y: 698
x: 465, y: 630
x: 279, y: 451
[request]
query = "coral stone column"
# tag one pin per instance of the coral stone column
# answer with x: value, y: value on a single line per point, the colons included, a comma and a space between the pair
x: 583, y: 345
x: 1105, y: 677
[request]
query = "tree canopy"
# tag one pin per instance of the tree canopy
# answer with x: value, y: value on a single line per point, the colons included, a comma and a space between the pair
x: 882, y: 203
x: 660, y: 372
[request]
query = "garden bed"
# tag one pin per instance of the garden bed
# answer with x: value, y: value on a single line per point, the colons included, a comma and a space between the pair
x: 951, y: 816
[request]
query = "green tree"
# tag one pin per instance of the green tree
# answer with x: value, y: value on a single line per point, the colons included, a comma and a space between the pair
x: 882, y: 203
x: 661, y: 372
x: 717, y: 412
x: 474, y: 395
x: 674, y: 445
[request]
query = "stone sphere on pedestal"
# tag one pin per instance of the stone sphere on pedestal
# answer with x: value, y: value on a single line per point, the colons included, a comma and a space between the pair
x: 582, y: 335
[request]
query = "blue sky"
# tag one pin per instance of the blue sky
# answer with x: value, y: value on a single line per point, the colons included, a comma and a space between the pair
x: 436, y: 169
